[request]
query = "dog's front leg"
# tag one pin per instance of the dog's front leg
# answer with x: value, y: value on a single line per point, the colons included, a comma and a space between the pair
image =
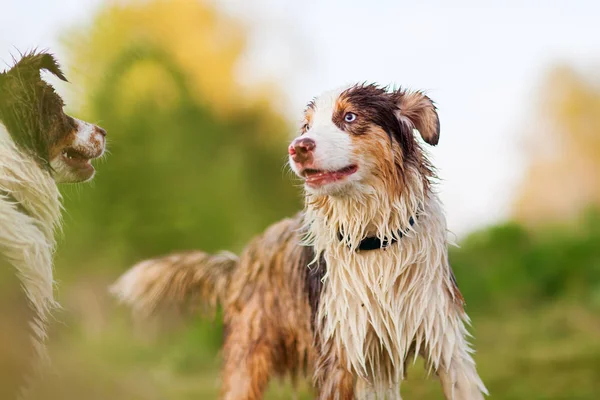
x: 338, y: 384
x: 456, y: 368
x: 332, y: 380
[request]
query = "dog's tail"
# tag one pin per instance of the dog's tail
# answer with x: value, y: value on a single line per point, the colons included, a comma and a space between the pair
x: 183, y: 282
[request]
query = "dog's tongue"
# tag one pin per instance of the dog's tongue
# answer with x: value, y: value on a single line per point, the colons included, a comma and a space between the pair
x: 321, y: 178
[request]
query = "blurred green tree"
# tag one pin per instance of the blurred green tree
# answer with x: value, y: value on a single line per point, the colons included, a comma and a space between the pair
x: 196, y: 159
x: 508, y: 266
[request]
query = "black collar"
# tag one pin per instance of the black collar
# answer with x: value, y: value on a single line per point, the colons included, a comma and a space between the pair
x: 374, y: 243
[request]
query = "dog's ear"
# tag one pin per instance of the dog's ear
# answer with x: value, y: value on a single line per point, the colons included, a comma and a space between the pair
x: 418, y: 111
x: 33, y: 63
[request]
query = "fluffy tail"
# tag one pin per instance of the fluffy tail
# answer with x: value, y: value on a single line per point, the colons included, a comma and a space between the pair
x: 182, y: 281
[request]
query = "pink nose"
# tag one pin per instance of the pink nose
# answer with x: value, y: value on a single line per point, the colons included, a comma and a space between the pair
x: 301, y: 149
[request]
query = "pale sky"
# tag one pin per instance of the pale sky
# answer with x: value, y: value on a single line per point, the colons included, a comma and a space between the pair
x: 482, y: 62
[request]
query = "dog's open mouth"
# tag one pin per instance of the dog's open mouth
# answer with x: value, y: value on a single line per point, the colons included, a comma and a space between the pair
x: 316, y: 177
x: 78, y: 158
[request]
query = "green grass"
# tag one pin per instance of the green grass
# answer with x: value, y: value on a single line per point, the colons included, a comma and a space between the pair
x: 534, y: 298
x: 548, y: 352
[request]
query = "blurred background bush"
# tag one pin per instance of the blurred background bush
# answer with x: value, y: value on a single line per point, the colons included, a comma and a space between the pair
x: 197, y: 161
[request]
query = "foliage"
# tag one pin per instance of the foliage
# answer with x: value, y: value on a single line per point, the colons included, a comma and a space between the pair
x: 187, y: 168
x: 507, y: 265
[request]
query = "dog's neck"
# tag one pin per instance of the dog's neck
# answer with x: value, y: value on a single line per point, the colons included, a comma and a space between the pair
x: 375, y: 212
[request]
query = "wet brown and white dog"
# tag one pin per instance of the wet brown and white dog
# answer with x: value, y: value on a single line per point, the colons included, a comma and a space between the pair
x: 39, y: 146
x: 356, y: 285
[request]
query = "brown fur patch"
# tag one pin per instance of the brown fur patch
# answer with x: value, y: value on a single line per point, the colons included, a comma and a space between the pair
x: 315, y: 271
x: 420, y: 112
x: 455, y: 293
x: 31, y: 109
x: 308, y: 116
x: 392, y: 114
x: 267, y: 328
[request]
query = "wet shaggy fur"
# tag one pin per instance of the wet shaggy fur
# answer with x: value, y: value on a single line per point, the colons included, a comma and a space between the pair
x: 34, y: 133
x: 304, y: 298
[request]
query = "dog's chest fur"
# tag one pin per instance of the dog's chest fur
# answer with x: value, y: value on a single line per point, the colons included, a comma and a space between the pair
x: 378, y: 306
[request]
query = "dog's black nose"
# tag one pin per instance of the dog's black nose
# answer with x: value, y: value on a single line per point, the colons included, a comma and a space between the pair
x: 101, y: 131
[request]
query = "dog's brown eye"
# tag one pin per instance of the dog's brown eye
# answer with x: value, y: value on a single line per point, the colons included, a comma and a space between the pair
x: 305, y: 127
x: 349, y: 117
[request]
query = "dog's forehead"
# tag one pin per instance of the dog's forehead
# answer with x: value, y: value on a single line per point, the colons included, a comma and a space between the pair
x: 327, y: 99
x: 322, y: 107
x: 359, y: 95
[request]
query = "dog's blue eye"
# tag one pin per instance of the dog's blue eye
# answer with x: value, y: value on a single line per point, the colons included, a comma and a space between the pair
x: 349, y: 117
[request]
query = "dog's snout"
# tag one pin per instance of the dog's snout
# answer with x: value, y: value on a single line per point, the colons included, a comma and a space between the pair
x: 101, y: 131
x: 301, y: 149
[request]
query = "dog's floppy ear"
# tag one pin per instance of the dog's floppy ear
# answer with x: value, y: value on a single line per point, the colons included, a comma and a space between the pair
x: 35, y: 62
x: 418, y: 111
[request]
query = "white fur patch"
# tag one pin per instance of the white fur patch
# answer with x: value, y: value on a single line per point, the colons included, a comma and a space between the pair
x: 334, y: 147
x: 85, y: 134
